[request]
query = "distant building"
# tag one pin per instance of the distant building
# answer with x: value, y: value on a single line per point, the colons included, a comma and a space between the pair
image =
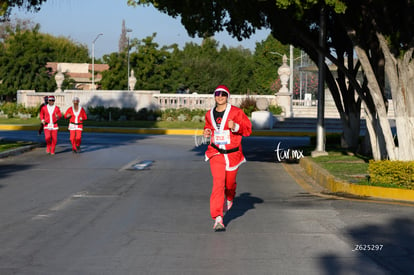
x: 80, y: 72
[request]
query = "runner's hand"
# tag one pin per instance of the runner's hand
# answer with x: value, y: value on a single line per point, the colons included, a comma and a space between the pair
x: 207, y: 133
x: 231, y: 124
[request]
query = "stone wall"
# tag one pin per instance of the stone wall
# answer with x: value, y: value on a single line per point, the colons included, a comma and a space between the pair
x: 131, y: 99
x: 201, y: 101
x: 121, y: 99
x: 156, y: 100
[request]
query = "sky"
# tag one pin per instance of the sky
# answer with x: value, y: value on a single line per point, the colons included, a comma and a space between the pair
x: 83, y: 20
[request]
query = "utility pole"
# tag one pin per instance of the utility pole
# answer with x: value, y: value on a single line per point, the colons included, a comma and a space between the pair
x: 320, y: 127
x: 128, y: 30
x: 93, y: 61
x: 291, y: 79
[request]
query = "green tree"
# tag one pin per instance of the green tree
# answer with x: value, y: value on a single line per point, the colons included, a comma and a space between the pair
x: 63, y: 49
x: 123, y: 39
x: 116, y: 77
x: 379, y: 32
x: 24, y: 54
x: 7, y: 5
x: 268, y: 59
x: 239, y: 64
x: 150, y: 63
x: 200, y: 68
x: 22, y: 24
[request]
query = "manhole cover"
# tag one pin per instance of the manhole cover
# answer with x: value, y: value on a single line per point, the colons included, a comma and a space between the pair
x: 142, y: 165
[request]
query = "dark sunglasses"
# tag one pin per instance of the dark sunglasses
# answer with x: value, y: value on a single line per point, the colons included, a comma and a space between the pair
x: 220, y: 93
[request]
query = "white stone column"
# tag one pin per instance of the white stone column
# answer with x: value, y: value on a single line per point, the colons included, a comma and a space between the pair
x: 132, y: 81
x: 59, y: 77
x: 284, y: 97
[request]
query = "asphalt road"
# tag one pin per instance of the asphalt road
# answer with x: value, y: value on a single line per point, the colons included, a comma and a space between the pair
x: 139, y: 204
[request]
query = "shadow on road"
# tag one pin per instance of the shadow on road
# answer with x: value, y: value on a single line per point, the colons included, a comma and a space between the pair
x: 263, y: 149
x: 390, y: 246
x: 8, y: 169
x: 241, y: 204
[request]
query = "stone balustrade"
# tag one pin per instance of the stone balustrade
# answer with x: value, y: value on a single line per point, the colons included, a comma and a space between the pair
x: 155, y: 100
x: 131, y: 99
x: 121, y: 99
x: 200, y: 101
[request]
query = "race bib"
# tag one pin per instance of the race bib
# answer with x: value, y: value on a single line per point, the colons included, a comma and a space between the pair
x: 222, y: 137
x: 72, y: 126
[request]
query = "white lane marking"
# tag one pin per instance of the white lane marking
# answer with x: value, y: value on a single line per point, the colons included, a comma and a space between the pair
x: 66, y: 202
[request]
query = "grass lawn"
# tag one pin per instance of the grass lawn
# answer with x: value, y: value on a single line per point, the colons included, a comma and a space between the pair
x: 351, y: 168
x: 29, y: 121
x: 8, y: 144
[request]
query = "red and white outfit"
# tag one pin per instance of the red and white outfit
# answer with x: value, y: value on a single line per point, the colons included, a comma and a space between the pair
x: 225, y: 161
x: 49, y: 115
x: 76, y: 125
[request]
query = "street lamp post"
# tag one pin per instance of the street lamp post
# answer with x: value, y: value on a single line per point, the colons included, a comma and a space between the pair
x: 320, y: 127
x: 291, y: 70
x: 93, y: 60
x: 128, y: 30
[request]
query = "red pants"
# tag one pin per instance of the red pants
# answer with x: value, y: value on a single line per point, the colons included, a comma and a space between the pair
x: 51, y: 140
x: 224, y: 185
x: 75, y: 138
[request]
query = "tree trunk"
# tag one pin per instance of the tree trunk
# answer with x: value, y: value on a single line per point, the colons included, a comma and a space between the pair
x: 400, y: 74
x: 349, y: 109
x: 381, y: 113
x: 374, y: 135
x: 351, y: 131
x: 404, y: 119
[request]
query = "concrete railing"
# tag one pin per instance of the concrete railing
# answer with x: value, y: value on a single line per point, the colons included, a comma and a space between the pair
x: 121, y: 99
x: 200, y: 101
x: 155, y: 100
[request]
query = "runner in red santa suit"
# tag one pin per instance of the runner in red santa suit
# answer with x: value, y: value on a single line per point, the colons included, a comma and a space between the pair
x: 77, y: 116
x: 225, y: 125
x: 45, y: 102
x: 49, y: 115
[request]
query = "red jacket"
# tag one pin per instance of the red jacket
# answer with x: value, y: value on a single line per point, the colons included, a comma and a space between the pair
x: 50, y: 115
x: 243, y: 128
x: 76, y: 118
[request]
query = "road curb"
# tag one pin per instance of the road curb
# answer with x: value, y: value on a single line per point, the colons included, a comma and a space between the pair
x: 161, y: 131
x: 18, y: 151
x: 340, y: 187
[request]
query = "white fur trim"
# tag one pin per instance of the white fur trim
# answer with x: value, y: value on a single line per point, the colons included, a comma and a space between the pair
x: 228, y: 168
x: 222, y: 90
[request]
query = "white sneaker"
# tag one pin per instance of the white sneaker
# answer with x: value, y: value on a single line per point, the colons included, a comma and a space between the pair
x: 218, y: 225
x: 227, y: 205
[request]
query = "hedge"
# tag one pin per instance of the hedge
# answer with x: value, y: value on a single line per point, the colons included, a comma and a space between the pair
x: 399, y: 173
